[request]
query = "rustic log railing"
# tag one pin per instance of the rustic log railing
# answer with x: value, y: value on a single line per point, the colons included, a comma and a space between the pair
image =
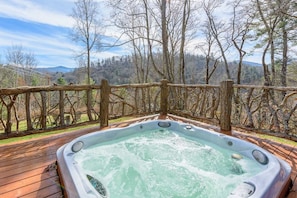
x: 43, y: 107
x: 266, y: 109
x: 26, y: 110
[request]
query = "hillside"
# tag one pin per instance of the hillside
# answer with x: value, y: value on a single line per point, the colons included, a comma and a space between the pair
x: 248, y: 63
x: 121, y: 70
x: 60, y: 69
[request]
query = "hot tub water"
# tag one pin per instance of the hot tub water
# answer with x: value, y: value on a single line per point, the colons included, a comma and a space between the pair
x: 164, y: 163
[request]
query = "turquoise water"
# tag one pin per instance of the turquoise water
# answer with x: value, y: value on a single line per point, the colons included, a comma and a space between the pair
x: 164, y: 164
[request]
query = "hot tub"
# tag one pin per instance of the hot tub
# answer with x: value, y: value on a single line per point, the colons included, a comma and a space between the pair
x: 163, y: 158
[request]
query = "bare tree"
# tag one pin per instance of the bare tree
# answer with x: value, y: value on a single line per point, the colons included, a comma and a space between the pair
x: 87, y: 30
x: 181, y: 22
x: 241, y: 23
x: 167, y: 27
x: 164, y: 30
x: 16, y: 55
x: 266, y: 27
x: 133, y: 20
x: 218, y: 30
x: 23, y: 62
x: 87, y: 33
x: 184, y: 26
x: 208, y: 48
x: 30, y: 60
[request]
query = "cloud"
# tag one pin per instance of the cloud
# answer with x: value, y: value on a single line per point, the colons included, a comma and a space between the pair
x: 51, y: 12
x: 42, y: 27
x: 50, y: 44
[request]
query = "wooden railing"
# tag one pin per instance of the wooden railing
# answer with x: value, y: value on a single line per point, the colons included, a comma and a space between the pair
x: 270, y: 110
x: 39, y: 108
x: 26, y: 110
x: 266, y: 109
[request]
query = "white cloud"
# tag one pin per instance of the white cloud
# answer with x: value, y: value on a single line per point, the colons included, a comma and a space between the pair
x: 40, y: 30
x: 51, y: 12
x: 50, y: 50
x: 43, y: 30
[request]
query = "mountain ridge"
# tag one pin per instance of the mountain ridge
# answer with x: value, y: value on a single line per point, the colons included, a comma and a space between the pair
x: 60, y: 69
x: 250, y: 63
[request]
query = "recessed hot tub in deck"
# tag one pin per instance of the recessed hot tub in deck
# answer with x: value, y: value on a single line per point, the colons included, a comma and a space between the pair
x: 168, y: 159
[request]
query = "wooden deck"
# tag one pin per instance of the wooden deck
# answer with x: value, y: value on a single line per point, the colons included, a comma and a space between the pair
x: 28, y: 169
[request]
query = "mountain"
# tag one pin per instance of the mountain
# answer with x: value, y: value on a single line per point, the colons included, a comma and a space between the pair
x: 252, y: 64
x: 60, y: 69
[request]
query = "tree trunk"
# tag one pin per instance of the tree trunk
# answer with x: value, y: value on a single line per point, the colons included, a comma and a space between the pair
x: 166, y: 67
x: 285, y: 59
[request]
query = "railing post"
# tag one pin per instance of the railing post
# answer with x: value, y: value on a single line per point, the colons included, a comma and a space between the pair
x: 104, y: 102
x: 61, y: 107
x: 28, y: 112
x: 43, y: 110
x: 164, y: 98
x: 226, y: 92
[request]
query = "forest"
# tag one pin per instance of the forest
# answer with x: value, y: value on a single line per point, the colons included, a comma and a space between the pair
x: 184, y: 41
x: 120, y: 70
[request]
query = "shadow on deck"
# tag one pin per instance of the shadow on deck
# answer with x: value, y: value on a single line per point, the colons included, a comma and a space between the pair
x: 28, y: 168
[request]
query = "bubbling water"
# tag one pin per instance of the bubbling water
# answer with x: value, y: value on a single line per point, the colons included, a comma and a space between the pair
x: 164, y: 163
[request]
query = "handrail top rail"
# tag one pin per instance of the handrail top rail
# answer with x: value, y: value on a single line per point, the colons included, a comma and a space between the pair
x: 26, y: 89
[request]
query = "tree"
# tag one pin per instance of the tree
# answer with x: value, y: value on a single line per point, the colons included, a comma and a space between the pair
x: 16, y: 55
x: 241, y: 22
x: 208, y: 49
x: 159, y: 32
x: 164, y: 41
x: 87, y: 30
x: 276, y: 33
x: 266, y: 28
x: 286, y: 31
x: 23, y: 62
x: 87, y: 33
x: 134, y: 23
x: 218, y: 29
x: 61, y: 81
x: 7, y: 77
x: 185, y: 25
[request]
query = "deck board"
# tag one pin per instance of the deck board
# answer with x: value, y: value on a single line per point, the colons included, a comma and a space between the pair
x: 28, y: 169
x: 35, y: 188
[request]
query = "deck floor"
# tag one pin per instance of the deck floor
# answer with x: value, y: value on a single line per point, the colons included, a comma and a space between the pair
x: 28, y: 168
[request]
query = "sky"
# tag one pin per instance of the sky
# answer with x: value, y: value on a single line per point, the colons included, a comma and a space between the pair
x: 41, y: 27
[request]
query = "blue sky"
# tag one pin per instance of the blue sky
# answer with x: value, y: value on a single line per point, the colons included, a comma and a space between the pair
x: 41, y: 27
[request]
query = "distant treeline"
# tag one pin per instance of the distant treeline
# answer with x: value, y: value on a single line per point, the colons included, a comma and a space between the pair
x: 121, y: 70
